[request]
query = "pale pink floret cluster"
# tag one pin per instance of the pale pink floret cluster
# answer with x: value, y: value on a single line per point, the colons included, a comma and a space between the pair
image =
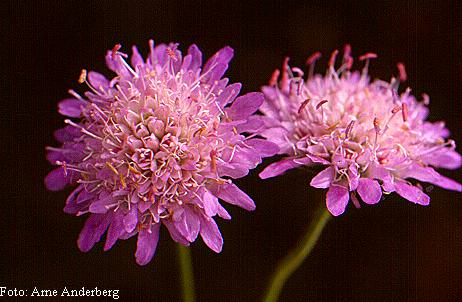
x: 157, y: 144
x: 370, y: 138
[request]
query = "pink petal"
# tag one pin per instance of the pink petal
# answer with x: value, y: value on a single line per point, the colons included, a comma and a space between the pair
x: 233, y: 195
x: 196, y: 58
x: 279, y: 168
x: 263, y: 147
x: 353, y: 176
x: 211, y: 234
x: 229, y: 94
x: 94, y: 228
x: 98, y: 80
x: 369, y: 190
x: 323, y: 179
x: 71, y: 107
x: 337, y: 199
x: 245, y: 105
x: 189, y: 224
x: 136, y: 58
x: 174, y: 233
x: 56, y: 180
x: 115, y: 230
x: 411, y: 193
x: 147, y: 244
x: 130, y: 220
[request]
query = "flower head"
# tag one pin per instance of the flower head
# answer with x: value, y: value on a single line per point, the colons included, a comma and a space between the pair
x: 157, y: 144
x: 370, y: 138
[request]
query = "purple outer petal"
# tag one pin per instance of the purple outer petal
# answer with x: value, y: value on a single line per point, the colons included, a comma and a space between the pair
x: 323, y: 179
x: 115, y: 230
x: 71, y: 107
x: 196, y: 58
x: 56, y: 180
x: 97, y: 80
x: 369, y: 190
x: 211, y: 234
x: 229, y: 94
x: 131, y: 219
x: 411, y: 193
x: 245, y: 105
x: 147, y: 244
x: 233, y: 195
x: 189, y: 225
x: 263, y: 147
x: 279, y: 168
x: 337, y: 199
x: 174, y: 233
x: 94, y: 228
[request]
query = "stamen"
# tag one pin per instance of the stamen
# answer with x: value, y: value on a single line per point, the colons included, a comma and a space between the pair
x: 274, y: 78
x: 402, y: 72
x: 377, y: 125
x: 303, y: 105
x: 313, y: 58
x: 115, y: 50
x: 333, y: 56
x: 367, y: 56
x: 396, y: 109
x: 83, y: 76
x: 311, y: 62
x: 320, y: 104
x: 285, y: 75
x: 405, y: 112
x: 349, y: 128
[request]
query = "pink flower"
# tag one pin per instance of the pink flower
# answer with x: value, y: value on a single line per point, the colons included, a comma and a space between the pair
x: 370, y: 139
x: 158, y: 144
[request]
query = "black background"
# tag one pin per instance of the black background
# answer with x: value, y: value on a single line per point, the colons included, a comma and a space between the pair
x: 394, y: 251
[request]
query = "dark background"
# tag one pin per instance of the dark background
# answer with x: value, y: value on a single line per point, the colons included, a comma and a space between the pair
x: 394, y: 251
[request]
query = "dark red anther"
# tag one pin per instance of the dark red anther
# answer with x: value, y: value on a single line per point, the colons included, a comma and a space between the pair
x: 405, y: 112
x: 313, y: 58
x: 396, y: 109
x: 274, y: 78
x: 376, y: 125
x: 115, y: 49
x: 366, y: 56
x: 303, y: 105
x: 320, y: 104
x: 333, y: 56
x: 402, y: 72
x: 349, y: 128
x: 285, y: 74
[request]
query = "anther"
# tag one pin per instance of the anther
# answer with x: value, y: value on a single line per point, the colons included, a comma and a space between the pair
x: 402, y: 72
x: 349, y: 128
x: 115, y: 50
x: 320, y: 104
x: 303, y: 105
x: 366, y: 56
x: 377, y: 125
x: 405, y: 112
x: 333, y: 56
x: 396, y: 109
x: 171, y: 54
x: 83, y: 76
x: 274, y: 78
x: 313, y: 58
x: 285, y: 75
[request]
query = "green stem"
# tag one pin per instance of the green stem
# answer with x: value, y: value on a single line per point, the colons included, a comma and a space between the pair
x: 295, y: 258
x: 187, y: 276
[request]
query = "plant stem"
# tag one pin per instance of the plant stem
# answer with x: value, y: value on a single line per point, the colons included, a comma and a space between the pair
x: 295, y: 258
x: 187, y: 276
